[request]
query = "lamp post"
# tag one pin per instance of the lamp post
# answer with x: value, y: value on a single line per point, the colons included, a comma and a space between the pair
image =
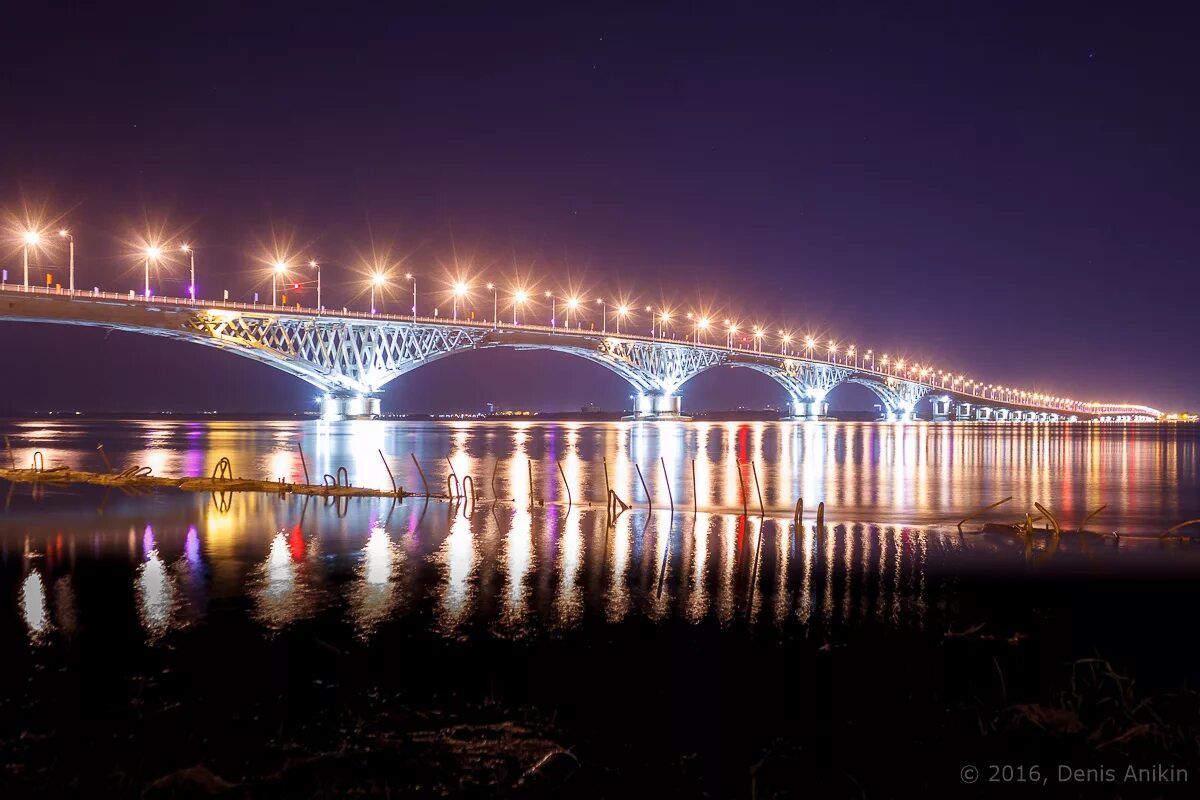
x: 519, y: 297
x: 460, y: 290
x: 852, y: 355
x: 495, y: 304
x: 702, y: 328
x: 187, y: 248
x: 553, y: 320
x: 785, y: 339
x: 832, y: 351
x: 29, y: 239
x: 603, y: 314
x: 622, y: 311
x: 277, y: 272
x: 731, y: 331
x: 66, y: 234
x: 152, y: 254
x: 413, y: 279
x: 317, y: 266
x: 871, y: 358
x: 809, y: 344
x: 572, y: 305
x: 377, y: 282
x: 758, y: 334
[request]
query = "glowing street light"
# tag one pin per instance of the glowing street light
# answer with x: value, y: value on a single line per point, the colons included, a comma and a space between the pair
x: 460, y: 290
x: 785, y: 341
x: 852, y: 355
x: 832, y: 346
x: 622, y: 312
x: 277, y: 273
x: 758, y: 334
x: 553, y: 310
x: 731, y: 331
x: 519, y: 298
x: 664, y: 319
x: 378, y: 280
x: 702, y: 328
x: 809, y: 344
x: 572, y: 304
x: 29, y: 239
x: 66, y: 234
x: 186, y: 248
x: 153, y: 253
x: 603, y: 314
x: 495, y: 304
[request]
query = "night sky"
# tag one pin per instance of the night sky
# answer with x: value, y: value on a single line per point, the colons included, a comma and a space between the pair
x: 1009, y: 191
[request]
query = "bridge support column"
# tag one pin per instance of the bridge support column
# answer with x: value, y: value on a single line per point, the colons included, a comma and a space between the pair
x: 983, y: 414
x: 941, y: 409
x: 658, y: 406
x: 349, y: 406
x: 963, y: 411
x: 806, y: 410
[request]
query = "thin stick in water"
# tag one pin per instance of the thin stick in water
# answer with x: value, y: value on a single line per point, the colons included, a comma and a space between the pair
x: 667, y: 481
x: 762, y: 512
x: 567, y: 486
x: 983, y: 510
x: 649, y: 499
x: 420, y: 472
x: 304, y: 464
x: 381, y: 458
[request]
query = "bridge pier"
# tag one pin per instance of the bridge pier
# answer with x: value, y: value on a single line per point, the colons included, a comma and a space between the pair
x: 941, y: 409
x: 658, y: 406
x: 808, y: 410
x: 349, y: 406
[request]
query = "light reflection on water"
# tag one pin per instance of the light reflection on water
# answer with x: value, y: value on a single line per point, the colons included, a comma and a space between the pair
x: 902, y: 473
x: 513, y: 569
x: 888, y: 554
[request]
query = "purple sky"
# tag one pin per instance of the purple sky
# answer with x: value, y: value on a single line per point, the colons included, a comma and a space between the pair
x: 1009, y: 192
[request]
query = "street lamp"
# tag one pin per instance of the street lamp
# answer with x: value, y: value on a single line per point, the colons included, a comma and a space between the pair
x: 413, y: 279
x: 622, y: 312
x: 852, y: 355
x: 663, y: 321
x: 495, y: 304
x: 66, y: 234
x: 377, y: 282
x: 553, y: 310
x: 603, y: 314
x: 785, y: 339
x: 277, y: 272
x: 519, y: 298
x: 758, y: 334
x: 732, y: 330
x: 832, y: 350
x: 152, y: 254
x: 460, y: 290
x: 809, y: 344
x: 317, y: 266
x: 572, y: 304
x: 29, y: 239
x: 187, y: 248
x: 702, y: 328
x: 869, y: 357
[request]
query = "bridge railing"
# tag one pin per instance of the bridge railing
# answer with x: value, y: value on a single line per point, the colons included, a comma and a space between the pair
x: 995, y: 395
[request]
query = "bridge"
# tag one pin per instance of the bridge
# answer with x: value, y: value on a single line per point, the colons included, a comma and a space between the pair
x: 351, y: 357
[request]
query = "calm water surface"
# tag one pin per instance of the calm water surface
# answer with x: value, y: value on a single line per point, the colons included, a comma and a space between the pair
x: 889, y: 552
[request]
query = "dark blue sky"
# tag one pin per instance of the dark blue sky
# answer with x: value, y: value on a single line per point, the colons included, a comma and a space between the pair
x: 1009, y: 191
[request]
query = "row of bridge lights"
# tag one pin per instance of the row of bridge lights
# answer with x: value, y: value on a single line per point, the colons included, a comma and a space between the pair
x: 660, y: 321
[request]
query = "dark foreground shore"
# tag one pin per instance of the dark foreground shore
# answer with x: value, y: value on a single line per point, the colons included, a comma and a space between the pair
x: 1017, y: 680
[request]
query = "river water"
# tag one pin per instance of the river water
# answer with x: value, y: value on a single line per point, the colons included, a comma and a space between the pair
x: 535, y: 555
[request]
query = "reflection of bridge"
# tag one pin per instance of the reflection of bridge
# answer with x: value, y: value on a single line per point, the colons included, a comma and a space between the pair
x: 351, y: 357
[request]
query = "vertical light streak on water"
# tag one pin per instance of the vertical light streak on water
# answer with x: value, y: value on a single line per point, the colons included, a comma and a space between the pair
x: 808, y: 548
x: 827, y: 537
x: 727, y: 533
x: 457, y: 556
x: 568, y: 601
x: 34, y: 607
x: 898, y: 572
x: 663, y: 528
x: 782, y: 539
x: 156, y: 592
x: 373, y: 593
x: 697, y: 599
x: 617, y: 595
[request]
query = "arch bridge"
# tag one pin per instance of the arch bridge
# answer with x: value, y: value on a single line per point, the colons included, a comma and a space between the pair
x: 351, y: 357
